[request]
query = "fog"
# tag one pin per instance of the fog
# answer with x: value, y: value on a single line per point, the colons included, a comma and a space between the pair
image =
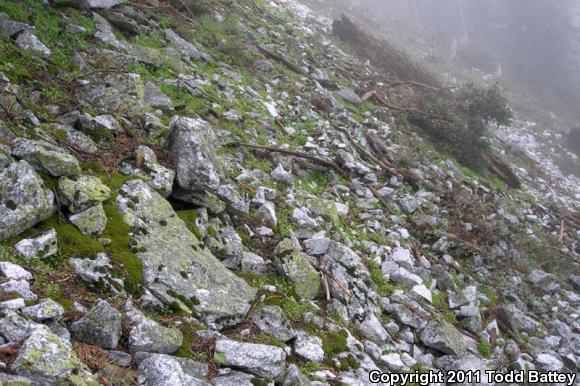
x: 532, y: 45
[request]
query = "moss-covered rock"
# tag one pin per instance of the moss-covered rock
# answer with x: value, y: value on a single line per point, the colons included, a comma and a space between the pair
x: 83, y: 193
x: 47, y: 158
x: 91, y: 221
x: 47, y: 360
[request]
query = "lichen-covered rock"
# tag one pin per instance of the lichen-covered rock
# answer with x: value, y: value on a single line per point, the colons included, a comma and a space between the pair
x: 47, y: 309
x: 193, y: 149
x: 47, y: 360
x: 46, y: 157
x: 39, y: 247
x: 308, y: 347
x: 192, y: 146
x: 259, y: 359
x: 295, y: 266
x: 10, y: 28
x: 96, y: 272
x: 166, y: 370
x: 83, y: 193
x: 225, y: 243
x: 185, y: 47
x: 349, y: 274
x: 14, y: 327
x: 101, y: 326
x: 444, y: 337
x: 77, y: 138
x: 116, y: 92
x: 19, y: 287
x: 14, y: 271
x: 177, y: 268
x: 270, y: 320
x: 149, y: 336
x: 29, y: 42
x: 24, y: 199
x: 92, y: 221
x: 155, y: 98
x: 148, y: 169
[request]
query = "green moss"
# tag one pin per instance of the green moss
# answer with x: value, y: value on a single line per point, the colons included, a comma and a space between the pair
x: 119, y: 249
x: 188, y: 330
x: 71, y: 241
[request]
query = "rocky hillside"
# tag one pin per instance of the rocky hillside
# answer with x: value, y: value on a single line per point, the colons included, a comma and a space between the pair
x: 205, y: 192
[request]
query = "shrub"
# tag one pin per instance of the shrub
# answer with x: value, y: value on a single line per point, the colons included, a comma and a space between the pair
x: 458, y: 121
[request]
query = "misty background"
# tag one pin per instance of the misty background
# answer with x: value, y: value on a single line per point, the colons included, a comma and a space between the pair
x: 532, y: 46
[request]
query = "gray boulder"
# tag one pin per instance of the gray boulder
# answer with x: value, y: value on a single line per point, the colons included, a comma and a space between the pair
x: 14, y: 271
x: 270, y: 320
x: 29, y: 42
x: 235, y: 378
x: 155, y: 98
x: 147, y: 167
x: 39, y: 247
x: 101, y: 326
x: 47, y: 360
x: 24, y: 199
x: 46, y: 157
x: 193, y: 149
x: 259, y: 359
x: 103, y: 4
x: 47, y: 309
x: 166, y: 370
x: 149, y: 336
x: 350, y: 96
x: 10, y: 28
x: 92, y: 221
x: 444, y: 337
x: 308, y: 347
x: 116, y: 92
x: 177, y: 268
x: 186, y: 48
x: 296, y: 266
x: 82, y: 193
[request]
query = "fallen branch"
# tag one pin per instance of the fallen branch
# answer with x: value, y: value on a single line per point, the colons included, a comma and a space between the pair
x: 407, y: 110
x: 273, y: 55
x: 321, y: 161
x: 363, y: 153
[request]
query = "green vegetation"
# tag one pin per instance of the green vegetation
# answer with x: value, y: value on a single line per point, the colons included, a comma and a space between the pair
x: 484, y: 348
x: 384, y: 288
x: 458, y: 122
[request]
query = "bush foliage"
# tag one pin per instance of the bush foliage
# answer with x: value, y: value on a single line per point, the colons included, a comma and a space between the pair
x: 459, y: 120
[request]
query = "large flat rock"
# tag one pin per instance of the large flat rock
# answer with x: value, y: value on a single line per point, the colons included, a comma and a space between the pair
x: 177, y: 268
